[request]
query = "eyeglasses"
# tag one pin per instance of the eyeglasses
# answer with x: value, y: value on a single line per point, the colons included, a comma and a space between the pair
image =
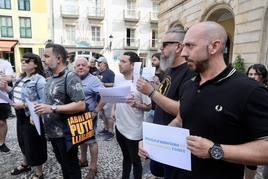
x: 164, y: 44
x: 26, y: 60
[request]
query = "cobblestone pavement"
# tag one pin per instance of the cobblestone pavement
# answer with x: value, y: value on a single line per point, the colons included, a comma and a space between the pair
x: 109, y: 162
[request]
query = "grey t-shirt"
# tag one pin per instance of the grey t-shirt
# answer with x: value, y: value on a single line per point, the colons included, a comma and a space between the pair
x: 57, y: 93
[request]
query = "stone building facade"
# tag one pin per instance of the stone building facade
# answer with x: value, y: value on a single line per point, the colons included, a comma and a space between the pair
x: 246, y: 22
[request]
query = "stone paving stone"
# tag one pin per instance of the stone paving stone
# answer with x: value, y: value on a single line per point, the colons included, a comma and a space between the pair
x: 109, y: 161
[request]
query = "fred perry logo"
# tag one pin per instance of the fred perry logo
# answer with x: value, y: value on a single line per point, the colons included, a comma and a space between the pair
x: 218, y: 108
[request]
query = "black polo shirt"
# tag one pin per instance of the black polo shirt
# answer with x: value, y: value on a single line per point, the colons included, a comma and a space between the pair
x: 229, y: 109
x: 170, y: 87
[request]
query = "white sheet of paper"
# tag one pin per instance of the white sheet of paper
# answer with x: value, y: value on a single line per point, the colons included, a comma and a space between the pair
x: 136, y: 72
x: 5, y: 98
x: 148, y: 73
x: 167, y: 145
x: 115, y: 94
x: 34, y: 116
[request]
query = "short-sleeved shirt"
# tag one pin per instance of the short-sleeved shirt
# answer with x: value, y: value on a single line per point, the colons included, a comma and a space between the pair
x: 228, y: 109
x: 91, y: 85
x: 129, y: 119
x: 59, y: 91
x: 106, y: 76
x: 170, y: 87
x: 33, y: 90
x: 5, y: 69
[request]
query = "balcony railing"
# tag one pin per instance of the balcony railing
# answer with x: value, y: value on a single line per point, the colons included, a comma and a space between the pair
x: 154, y: 44
x: 70, y: 11
x: 96, y: 13
x: 131, y: 43
x: 97, y: 43
x: 68, y: 42
x: 154, y: 17
x: 131, y: 15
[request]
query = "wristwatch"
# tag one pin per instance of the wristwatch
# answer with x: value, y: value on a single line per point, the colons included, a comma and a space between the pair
x: 216, y: 152
x: 54, y: 108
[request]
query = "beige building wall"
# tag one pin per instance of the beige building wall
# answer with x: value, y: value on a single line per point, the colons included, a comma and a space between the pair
x: 245, y: 21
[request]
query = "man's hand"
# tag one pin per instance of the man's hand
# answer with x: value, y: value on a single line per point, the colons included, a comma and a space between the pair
x: 142, y: 153
x: 199, y: 146
x: 42, y: 108
x: 3, y: 85
x: 18, y: 105
x: 144, y: 87
x: 131, y: 101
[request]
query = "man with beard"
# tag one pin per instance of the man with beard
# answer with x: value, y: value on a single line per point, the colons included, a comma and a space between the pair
x: 63, y: 95
x: 176, y: 73
x: 225, y: 111
x: 156, y: 63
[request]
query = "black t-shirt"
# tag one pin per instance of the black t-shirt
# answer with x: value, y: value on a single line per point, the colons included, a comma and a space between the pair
x: 170, y: 87
x: 229, y: 109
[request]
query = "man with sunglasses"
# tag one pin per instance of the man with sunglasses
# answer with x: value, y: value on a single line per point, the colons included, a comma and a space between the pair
x: 176, y: 73
x: 225, y: 111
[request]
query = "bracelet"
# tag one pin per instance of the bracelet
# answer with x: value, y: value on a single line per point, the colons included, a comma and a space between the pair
x: 152, y: 93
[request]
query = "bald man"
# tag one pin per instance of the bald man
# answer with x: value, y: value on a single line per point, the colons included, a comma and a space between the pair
x: 91, y: 85
x: 226, y: 113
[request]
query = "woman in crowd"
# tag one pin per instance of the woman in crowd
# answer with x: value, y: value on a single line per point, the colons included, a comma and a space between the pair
x: 30, y: 86
x: 256, y: 72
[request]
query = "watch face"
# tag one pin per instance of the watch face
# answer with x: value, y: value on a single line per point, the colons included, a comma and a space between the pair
x: 216, y: 152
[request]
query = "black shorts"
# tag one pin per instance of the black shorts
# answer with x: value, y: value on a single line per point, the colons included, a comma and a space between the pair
x: 4, y: 111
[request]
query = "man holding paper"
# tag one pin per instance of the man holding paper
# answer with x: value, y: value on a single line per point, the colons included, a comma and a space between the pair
x: 225, y: 111
x: 129, y: 117
x: 176, y: 73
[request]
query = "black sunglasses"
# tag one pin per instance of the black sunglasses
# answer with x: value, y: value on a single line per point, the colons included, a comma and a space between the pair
x: 164, y: 44
x: 26, y: 60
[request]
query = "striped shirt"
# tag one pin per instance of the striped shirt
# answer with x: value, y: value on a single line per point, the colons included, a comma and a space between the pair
x: 17, y: 91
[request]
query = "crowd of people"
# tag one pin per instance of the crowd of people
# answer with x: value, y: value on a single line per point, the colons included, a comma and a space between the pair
x: 226, y: 111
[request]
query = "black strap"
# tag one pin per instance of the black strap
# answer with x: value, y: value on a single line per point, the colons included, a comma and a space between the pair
x: 65, y: 88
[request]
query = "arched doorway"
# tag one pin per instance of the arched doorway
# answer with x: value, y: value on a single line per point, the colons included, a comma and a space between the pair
x: 223, y: 15
x: 264, y: 44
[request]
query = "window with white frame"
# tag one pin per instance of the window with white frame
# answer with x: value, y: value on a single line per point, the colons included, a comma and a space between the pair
x: 70, y: 33
x: 131, y: 7
x: 95, y: 33
x: 130, y: 37
x: 154, y: 38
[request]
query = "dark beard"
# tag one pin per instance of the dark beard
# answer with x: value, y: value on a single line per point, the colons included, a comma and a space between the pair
x: 201, y: 66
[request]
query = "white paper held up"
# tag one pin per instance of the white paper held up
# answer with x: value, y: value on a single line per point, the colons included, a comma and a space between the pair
x: 167, y: 145
x: 115, y: 94
x: 34, y: 116
x: 148, y: 73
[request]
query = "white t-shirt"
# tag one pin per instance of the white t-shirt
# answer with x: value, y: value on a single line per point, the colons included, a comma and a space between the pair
x: 129, y: 119
x: 5, y: 69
